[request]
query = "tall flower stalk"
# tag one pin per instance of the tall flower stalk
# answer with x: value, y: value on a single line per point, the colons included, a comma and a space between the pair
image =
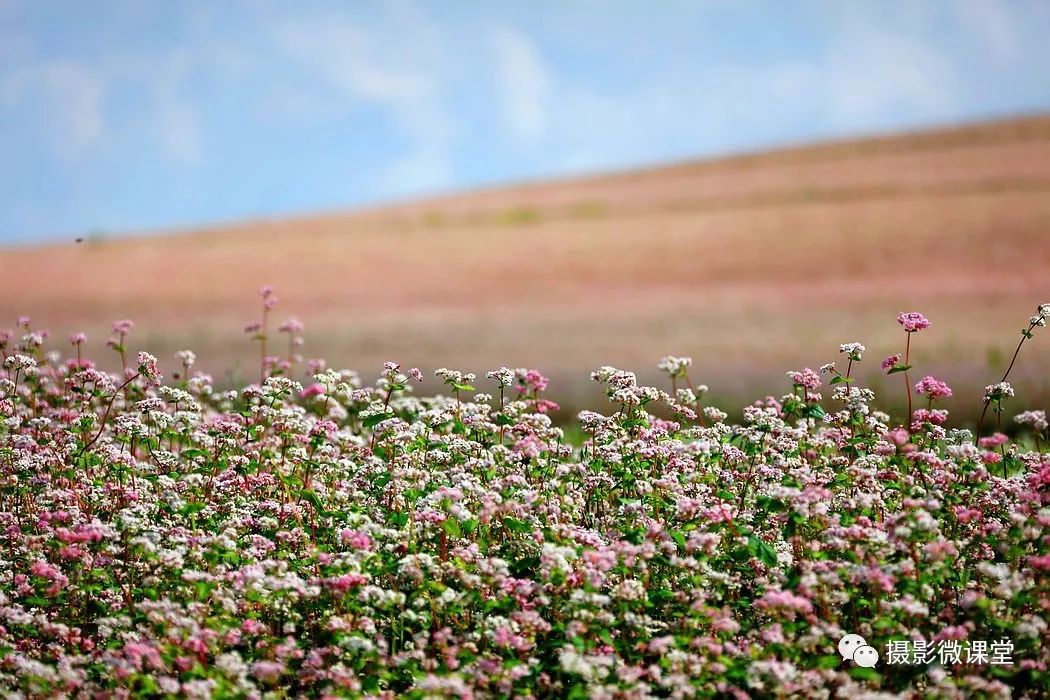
x: 912, y: 322
x: 996, y: 392
x: 258, y: 330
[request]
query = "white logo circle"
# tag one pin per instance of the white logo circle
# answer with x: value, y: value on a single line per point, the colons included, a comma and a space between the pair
x: 866, y: 656
x: 849, y: 644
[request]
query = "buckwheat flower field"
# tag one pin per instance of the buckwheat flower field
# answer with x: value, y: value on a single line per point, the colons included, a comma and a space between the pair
x: 309, y: 535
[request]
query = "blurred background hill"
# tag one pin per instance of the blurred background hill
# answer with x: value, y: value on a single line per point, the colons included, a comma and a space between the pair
x: 753, y: 265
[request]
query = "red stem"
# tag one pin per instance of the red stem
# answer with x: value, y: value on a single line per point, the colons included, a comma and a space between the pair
x: 105, y: 415
x: 907, y: 382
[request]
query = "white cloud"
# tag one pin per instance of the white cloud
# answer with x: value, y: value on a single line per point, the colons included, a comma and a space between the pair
x: 72, y: 95
x: 175, y: 121
x: 524, y: 82
x: 178, y: 127
x: 993, y: 25
x: 355, y: 63
x: 421, y: 170
x: 345, y: 56
x: 874, y: 75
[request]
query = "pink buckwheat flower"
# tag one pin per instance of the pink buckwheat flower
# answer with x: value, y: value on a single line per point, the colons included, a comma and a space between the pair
x: 148, y: 369
x: 993, y: 441
x: 356, y: 539
x: 786, y: 601
x: 898, y: 436
x: 531, y: 380
x: 292, y: 325
x: 913, y: 321
x: 807, y: 378
x: 546, y: 406
x: 933, y: 388
x: 268, y: 671
x: 891, y: 362
x: 269, y: 300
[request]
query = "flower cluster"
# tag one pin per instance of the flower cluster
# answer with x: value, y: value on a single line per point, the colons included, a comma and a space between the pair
x: 314, y: 535
x: 913, y: 321
x: 933, y: 388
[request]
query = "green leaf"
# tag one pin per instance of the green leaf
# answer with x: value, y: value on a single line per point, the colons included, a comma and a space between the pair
x: 758, y: 548
x: 451, y: 526
x: 770, y: 504
x: 864, y: 674
x: 463, y: 387
x: 515, y: 525
x: 314, y: 500
x: 147, y: 685
x: 828, y: 662
x: 373, y: 421
x: 679, y: 538
x: 191, y: 508
x: 814, y: 410
x: 661, y: 596
x: 580, y: 691
x: 899, y: 368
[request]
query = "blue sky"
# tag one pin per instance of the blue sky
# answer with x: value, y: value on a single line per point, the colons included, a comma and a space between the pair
x: 123, y: 116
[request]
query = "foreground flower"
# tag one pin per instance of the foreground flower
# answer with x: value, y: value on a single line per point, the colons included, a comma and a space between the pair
x: 913, y: 321
x: 675, y: 366
x: 148, y: 369
x: 1037, y: 321
x: 933, y: 388
x: 1036, y: 420
x: 853, y: 351
x: 998, y: 392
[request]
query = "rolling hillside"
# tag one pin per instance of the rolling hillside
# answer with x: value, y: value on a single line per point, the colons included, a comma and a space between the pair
x: 753, y: 265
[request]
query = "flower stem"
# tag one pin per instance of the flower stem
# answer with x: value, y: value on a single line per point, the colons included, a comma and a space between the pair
x: 907, y: 382
x: 1024, y: 336
x: 105, y: 415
